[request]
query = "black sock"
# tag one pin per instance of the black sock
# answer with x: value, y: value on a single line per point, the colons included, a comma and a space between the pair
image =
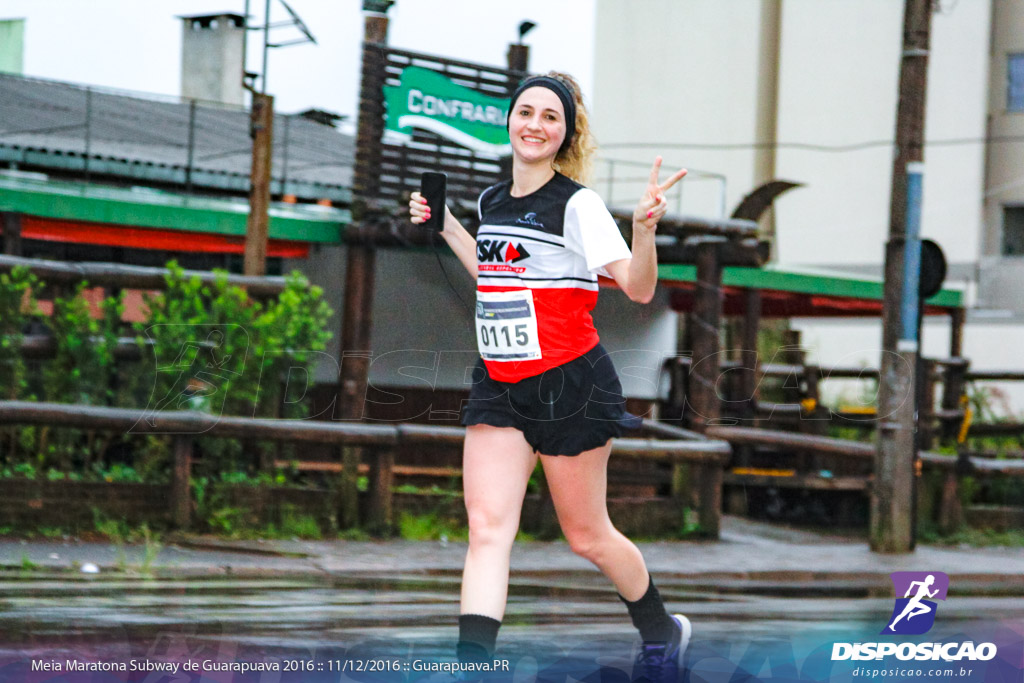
x: 650, y: 617
x: 477, y: 636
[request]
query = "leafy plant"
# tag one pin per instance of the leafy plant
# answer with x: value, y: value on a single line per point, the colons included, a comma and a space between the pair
x: 117, y: 473
x: 83, y: 367
x: 82, y: 371
x: 227, y: 520
x: 217, y: 351
x: 114, y: 530
x: 17, y: 307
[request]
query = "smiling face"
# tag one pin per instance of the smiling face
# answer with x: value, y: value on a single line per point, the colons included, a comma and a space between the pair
x: 537, y: 125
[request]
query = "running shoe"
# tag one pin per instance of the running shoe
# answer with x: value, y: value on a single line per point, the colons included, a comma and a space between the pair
x: 663, y: 662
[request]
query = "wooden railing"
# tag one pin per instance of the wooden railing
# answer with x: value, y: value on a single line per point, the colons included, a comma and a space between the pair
x: 954, y: 468
x: 379, y: 443
x: 119, y: 276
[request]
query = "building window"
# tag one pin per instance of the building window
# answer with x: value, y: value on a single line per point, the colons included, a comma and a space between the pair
x: 1013, y: 231
x: 1015, y: 83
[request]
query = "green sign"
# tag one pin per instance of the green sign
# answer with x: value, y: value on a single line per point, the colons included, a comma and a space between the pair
x: 427, y: 100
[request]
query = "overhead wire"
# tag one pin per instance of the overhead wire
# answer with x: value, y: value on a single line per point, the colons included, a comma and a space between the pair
x: 816, y: 147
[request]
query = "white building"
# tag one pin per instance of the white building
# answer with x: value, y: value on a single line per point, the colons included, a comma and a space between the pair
x: 719, y: 86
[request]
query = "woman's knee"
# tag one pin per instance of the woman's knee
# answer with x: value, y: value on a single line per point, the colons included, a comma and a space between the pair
x: 591, y: 542
x: 488, y: 528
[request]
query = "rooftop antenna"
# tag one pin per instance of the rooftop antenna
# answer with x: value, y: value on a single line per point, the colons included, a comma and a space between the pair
x: 248, y: 77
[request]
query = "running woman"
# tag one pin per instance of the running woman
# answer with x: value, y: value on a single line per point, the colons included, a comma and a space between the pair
x: 544, y: 386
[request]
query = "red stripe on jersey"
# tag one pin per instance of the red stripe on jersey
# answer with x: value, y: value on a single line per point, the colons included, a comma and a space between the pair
x: 564, y: 326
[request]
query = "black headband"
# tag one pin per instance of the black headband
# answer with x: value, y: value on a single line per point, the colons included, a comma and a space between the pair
x: 564, y: 93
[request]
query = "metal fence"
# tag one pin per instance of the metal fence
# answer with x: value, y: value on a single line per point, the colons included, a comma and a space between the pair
x: 193, y: 144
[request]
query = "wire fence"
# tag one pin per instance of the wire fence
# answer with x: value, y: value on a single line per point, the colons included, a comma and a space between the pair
x: 621, y: 181
x: 188, y: 142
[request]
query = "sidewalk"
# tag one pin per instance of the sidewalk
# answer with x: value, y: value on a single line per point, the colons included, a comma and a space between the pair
x: 749, y: 552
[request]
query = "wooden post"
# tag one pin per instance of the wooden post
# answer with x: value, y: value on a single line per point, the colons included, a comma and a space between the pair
x: 704, y: 375
x: 957, y: 317
x: 12, y: 233
x: 926, y: 413
x: 954, y: 379
x: 257, y: 229
x: 751, y: 326
x: 361, y: 258
x: 950, y: 511
x: 380, y: 509
x: 954, y: 385
x: 737, y: 502
x: 793, y: 354
x: 181, y: 494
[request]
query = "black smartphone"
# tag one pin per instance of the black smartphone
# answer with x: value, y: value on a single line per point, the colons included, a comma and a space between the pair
x: 434, y: 187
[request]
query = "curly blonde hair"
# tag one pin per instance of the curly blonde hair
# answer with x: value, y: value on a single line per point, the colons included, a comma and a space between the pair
x: 577, y: 160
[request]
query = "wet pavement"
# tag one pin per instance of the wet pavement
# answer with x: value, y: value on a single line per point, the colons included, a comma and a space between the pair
x: 326, y: 601
x: 748, y: 550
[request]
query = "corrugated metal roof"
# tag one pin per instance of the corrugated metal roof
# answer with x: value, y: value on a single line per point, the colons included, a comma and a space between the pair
x: 43, y: 124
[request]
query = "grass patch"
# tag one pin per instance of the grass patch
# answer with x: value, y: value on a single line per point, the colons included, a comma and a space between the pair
x: 353, y: 535
x: 293, y: 525
x: 979, y: 538
x: 430, y: 527
x: 119, y: 532
x: 433, y: 526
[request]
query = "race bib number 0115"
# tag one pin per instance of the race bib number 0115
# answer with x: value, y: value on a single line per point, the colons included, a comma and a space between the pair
x: 506, y: 326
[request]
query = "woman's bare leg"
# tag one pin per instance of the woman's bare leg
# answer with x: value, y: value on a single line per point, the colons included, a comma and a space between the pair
x: 579, y: 487
x: 496, y: 466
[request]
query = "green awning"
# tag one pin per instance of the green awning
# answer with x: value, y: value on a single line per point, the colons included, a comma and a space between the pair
x: 803, y: 291
x: 148, y: 208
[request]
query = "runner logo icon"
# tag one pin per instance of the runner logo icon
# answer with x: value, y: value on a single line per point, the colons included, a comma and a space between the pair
x: 914, y: 613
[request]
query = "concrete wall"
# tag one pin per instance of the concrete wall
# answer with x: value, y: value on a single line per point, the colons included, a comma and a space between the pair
x: 673, y: 72
x: 684, y: 71
x: 423, y: 335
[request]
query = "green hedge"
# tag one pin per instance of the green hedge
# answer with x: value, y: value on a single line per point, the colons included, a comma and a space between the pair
x: 204, y: 347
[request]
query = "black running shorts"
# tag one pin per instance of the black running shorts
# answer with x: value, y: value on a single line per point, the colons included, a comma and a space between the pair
x: 566, y: 410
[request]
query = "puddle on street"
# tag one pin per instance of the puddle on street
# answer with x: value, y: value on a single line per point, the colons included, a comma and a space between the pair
x: 64, y: 615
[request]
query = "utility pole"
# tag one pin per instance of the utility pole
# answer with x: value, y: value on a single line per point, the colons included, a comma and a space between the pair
x: 261, y: 130
x: 767, y: 127
x: 257, y: 228
x: 893, y: 493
